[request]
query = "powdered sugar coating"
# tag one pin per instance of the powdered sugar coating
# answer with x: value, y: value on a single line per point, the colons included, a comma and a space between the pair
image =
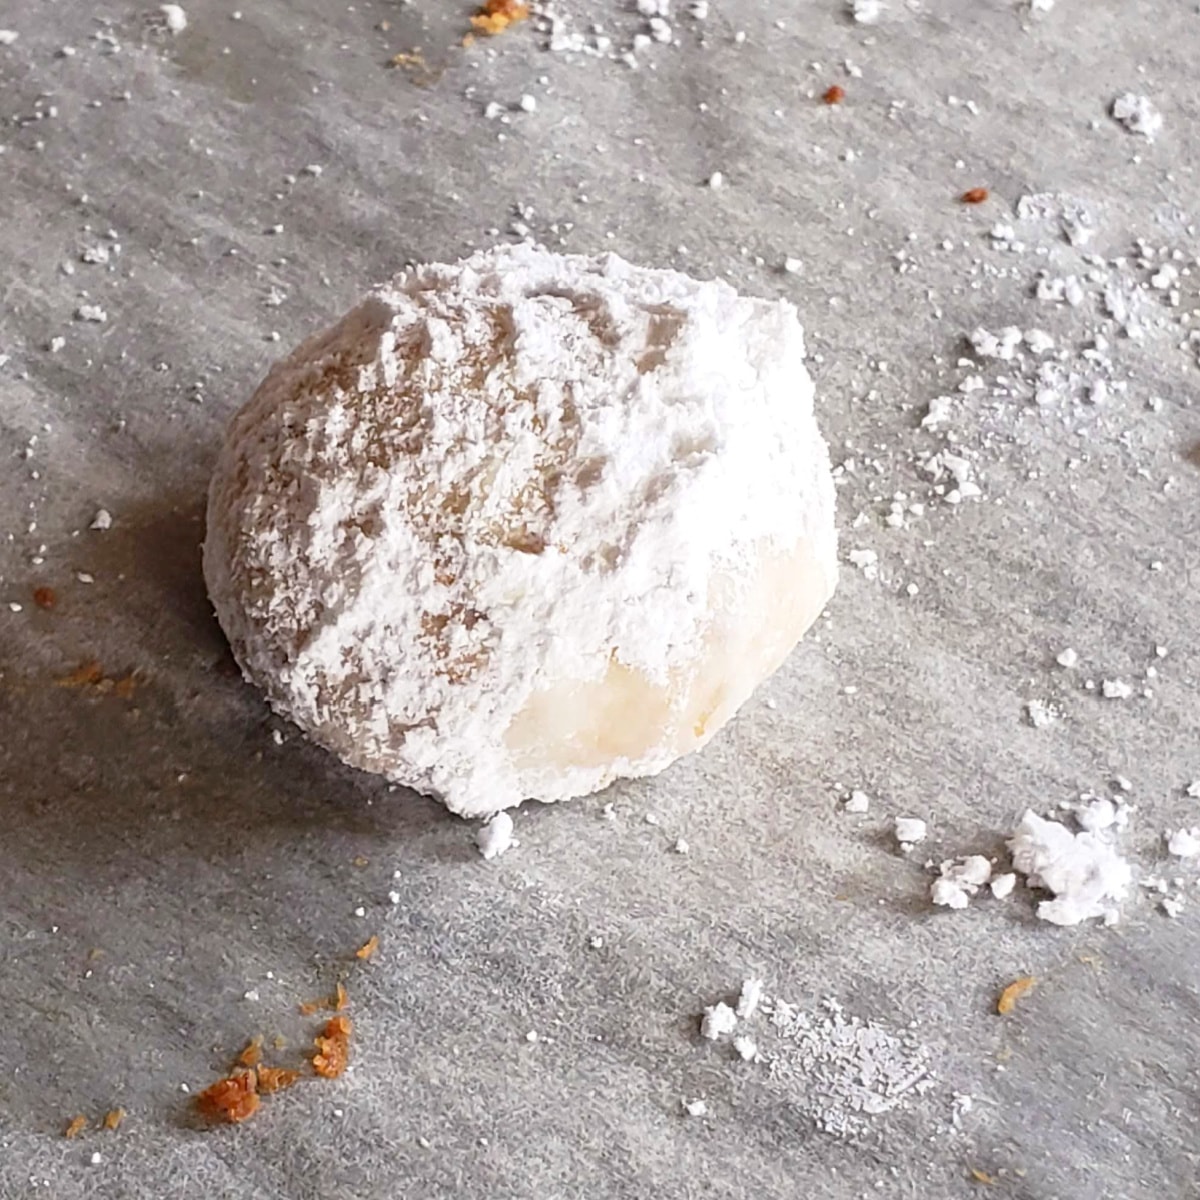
x: 509, y: 514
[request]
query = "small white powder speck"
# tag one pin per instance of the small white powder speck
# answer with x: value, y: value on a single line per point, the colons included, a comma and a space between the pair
x: 866, y: 12
x: 749, y: 999
x: 174, y: 16
x: 251, y: 995
x: 910, y: 830
x: 8, y: 36
x: 859, y: 803
x: 102, y: 520
x: 745, y: 1047
x: 1041, y: 713
x: 1138, y: 115
x: 1184, y: 843
x: 1116, y: 689
x: 695, y: 1108
x: 393, y: 897
x: 718, y: 1020
x: 716, y: 180
x: 681, y: 846
x: 527, y: 103
x: 91, y: 312
x: 1171, y: 905
x: 793, y: 266
x: 1068, y: 658
x: 1002, y: 886
x: 495, y: 836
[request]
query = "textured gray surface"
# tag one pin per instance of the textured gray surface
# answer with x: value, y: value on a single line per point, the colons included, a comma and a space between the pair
x: 163, y: 854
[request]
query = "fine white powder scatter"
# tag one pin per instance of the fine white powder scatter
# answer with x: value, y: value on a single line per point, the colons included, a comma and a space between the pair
x: 910, y: 830
x: 514, y: 528
x: 1184, y: 843
x: 1138, y: 114
x: 1083, y: 870
x: 718, y: 1021
x: 495, y: 836
x: 841, y: 1070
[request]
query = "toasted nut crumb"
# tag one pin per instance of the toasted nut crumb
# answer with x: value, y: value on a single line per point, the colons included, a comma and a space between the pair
x: 275, y: 1079
x: 251, y: 1056
x: 495, y: 16
x: 113, y: 1118
x: 982, y: 1176
x: 333, y: 1048
x: 76, y: 1127
x: 834, y: 94
x: 1011, y: 994
x: 368, y: 948
x: 974, y: 195
x: 232, y: 1099
x: 45, y: 597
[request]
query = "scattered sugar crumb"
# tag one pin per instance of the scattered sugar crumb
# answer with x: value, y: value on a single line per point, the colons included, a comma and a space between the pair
x: 1083, y: 870
x: 681, y: 846
x: 959, y: 880
x: 1067, y: 658
x: 695, y: 1108
x: 495, y: 836
x: 718, y: 1020
x: 1116, y: 689
x: 1041, y: 713
x: 1002, y: 885
x: 174, y: 16
x: 910, y: 830
x: 102, y: 520
x: 858, y: 803
x: 745, y: 1047
x: 1184, y: 843
x: 749, y: 998
x: 866, y: 12
x: 1138, y: 114
x: 8, y: 36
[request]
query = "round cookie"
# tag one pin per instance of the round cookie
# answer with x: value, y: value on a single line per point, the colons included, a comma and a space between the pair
x: 523, y: 525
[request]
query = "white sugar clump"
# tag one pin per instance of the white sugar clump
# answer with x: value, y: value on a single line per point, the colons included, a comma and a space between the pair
x: 174, y: 17
x: 1184, y: 843
x: 523, y: 525
x: 959, y: 880
x: 1083, y: 870
x: 1138, y: 115
x: 1002, y: 885
x: 858, y: 803
x: 495, y: 836
x: 910, y: 830
x: 718, y: 1020
x: 749, y: 999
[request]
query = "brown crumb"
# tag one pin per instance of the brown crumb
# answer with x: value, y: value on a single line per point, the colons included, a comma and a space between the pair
x: 232, y: 1099
x: 341, y: 998
x: 834, y: 94
x: 279, y: 1042
x: 251, y: 1056
x: 495, y: 16
x: 125, y: 686
x: 368, y: 948
x: 76, y: 1127
x: 1011, y: 994
x: 333, y: 1048
x: 87, y: 674
x: 113, y: 1118
x: 275, y: 1079
x: 45, y: 597
x: 311, y: 1006
x: 974, y: 195
x: 361, y: 860
x: 982, y: 1176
